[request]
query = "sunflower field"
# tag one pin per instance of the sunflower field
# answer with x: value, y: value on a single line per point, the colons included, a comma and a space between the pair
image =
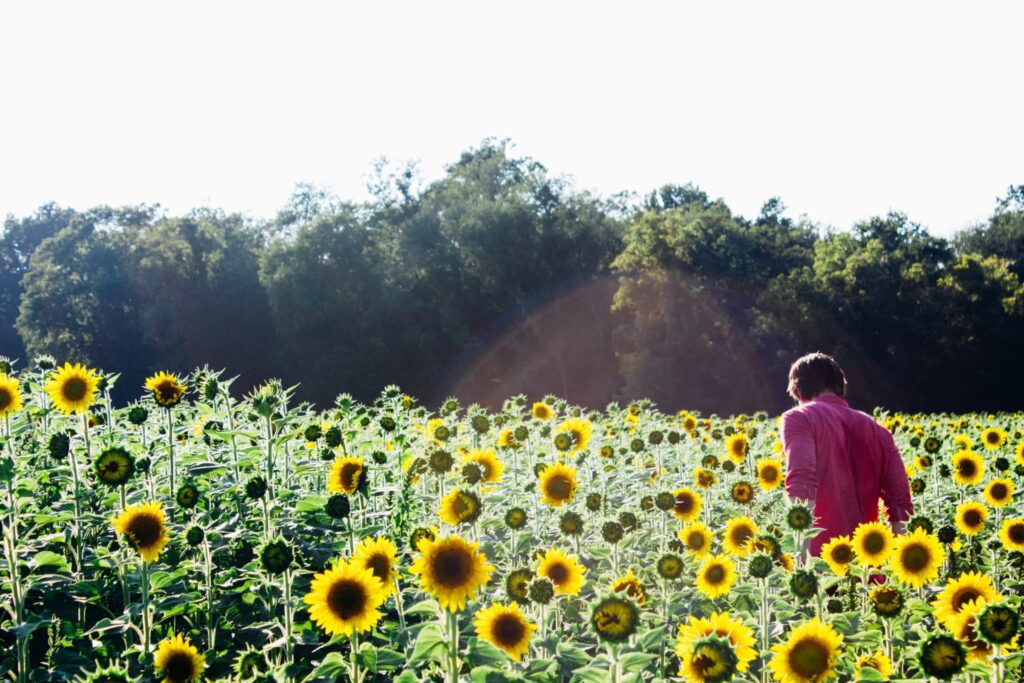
x: 196, y: 534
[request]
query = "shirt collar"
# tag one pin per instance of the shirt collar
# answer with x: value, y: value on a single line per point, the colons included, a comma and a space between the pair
x: 829, y: 397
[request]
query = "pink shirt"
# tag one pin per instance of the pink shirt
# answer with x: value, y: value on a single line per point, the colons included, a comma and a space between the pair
x: 845, y: 461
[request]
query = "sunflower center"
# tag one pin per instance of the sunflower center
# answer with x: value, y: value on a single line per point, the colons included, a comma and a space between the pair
x: 966, y: 468
x: 741, y: 534
x: 769, y: 474
x: 915, y: 558
x: 842, y: 554
x: 349, y: 475
x: 964, y: 596
x: 874, y: 543
x: 998, y: 491
x: 452, y: 567
x: 179, y: 667
x: 715, y: 574
x: 695, y: 541
x: 559, y: 487
x: 1016, y: 533
x: 558, y: 573
x: 5, y: 398
x: 972, y: 518
x: 809, y: 659
x: 347, y: 598
x: 145, y: 530
x: 167, y: 390
x: 684, y: 503
x: 992, y: 437
x: 508, y: 630
x: 380, y: 565
x: 74, y: 389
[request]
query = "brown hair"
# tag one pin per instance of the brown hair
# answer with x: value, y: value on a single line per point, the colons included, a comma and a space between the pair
x: 813, y: 374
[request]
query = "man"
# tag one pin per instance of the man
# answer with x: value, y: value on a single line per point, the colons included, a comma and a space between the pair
x: 839, y: 460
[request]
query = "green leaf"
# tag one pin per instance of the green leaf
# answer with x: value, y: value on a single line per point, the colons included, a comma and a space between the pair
x: 46, y: 558
x: 590, y: 675
x: 332, y: 666
x: 430, y: 645
x: 482, y: 652
x: 635, y: 661
x: 489, y: 674
x: 868, y: 673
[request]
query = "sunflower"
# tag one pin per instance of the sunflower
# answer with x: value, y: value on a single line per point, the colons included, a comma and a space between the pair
x: 736, y: 447
x: 704, y: 478
x: 970, y: 517
x: 999, y: 623
x: 968, y: 468
x: 872, y: 543
x: 993, y: 437
x: 579, y: 431
x: 72, y: 388
x: 719, y: 624
x: 1019, y: 453
x: 838, y: 554
x: 999, y: 492
x: 460, y: 507
x: 738, y: 533
x: 687, y: 504
x: 916, y: 558
x: 716, y: 576
x: 506, y: 628
x: 958, y: 592
x: 769, y: 473
x: 114, y: 466
x: 1012, y: 534
x: 451, y: 569
x: 143, y: 527
x: 742, y: 492
x: 346, y: 475
x: 709, y: 660
x: 877, y: 661
x: 697, y: 538
x: 942, y: 656
x: 10, y: 395
x: 615, y: 618
x: 810, y: 654
x: 965, y: 629
x: 178, y: 660
x: 632, y: 587
x: 491, y: 467
x: 557, y: 484
x: 345, y: 599
x: 167, y: 389
x: 541, y: 411
x: 380, y: 556
x: 565, y: 572
x: 887, y: 601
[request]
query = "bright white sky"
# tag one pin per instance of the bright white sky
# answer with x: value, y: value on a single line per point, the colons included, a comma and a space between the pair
x: 843, y: 112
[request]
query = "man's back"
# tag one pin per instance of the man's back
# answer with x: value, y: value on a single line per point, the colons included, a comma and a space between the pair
x: 844, y: 461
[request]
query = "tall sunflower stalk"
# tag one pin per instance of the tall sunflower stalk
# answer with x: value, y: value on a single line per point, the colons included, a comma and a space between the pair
x: 10, y: 537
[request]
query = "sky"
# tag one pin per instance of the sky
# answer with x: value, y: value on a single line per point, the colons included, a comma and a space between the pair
x: 844, y: 110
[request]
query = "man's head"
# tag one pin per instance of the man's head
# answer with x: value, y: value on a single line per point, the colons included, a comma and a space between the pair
x: 814, y: 374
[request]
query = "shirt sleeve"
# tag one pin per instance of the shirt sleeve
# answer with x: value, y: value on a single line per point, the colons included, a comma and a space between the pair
x: 895, y: 488
x: 801, y: 457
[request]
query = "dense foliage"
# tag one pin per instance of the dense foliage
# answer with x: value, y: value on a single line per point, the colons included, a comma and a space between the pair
x: 500, y: 278
x: 199, y: 534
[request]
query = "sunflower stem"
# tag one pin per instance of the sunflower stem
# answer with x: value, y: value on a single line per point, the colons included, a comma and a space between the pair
x: 211, y: 623
x: 453, y: 632
x: 79, y: 565
x: 287, y: 617
x: 170, y: 452
x: 145, y: 608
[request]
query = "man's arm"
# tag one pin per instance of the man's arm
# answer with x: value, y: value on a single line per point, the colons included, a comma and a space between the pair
x: 801, y: 457
x: 895, y: 488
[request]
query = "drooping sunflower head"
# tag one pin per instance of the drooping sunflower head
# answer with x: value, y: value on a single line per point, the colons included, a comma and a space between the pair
x: 506, y: 628
x: 958, y: 592
x: 1012, y: 534
x: 345, y: 599
x: 670, y: 567
x: 738, y: 534
x: 517, y: 585
x: 490, y: 465
x: 942, y: 656
x: 704, y: 478
x: 803, y: 584
x: 965, y: 628
x: 178, y: 660
x: 578, y: 430
x: 769, y: 473
x: 564, y: 571
x: 916, y: 558
x: 810, y: 654
x: 380, y: 556
x: 10, y: 395
x: 739, y: 636
x: 887, y: 601
x: 872, y: 543
x: 114, y: 466
x: 697, y: 538
x: 166, y: 389
x: 144, y: 528
x: 998, y: 623
x: 710, y: 659
x: 993, y: 437
x: 687, y: 504
x: 968, y: 468
x: 838, y: 554
x: 460, y: 507
x: 736, y: 447
x: 631, y: 586
x: 716, y: 576
x: 557, y: 484
x: 877, y: 661
x: 742, y: 492
x: 72, y: 388
x: 799, y: 517
x: 346, y: 475
x: 615, y: 618
x: 970, y: 517
x: 110, y: 673
x: 451, y: 569
x: 999, y: 492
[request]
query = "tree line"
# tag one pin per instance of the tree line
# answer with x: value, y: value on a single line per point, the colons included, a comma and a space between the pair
x: 501, y: 278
